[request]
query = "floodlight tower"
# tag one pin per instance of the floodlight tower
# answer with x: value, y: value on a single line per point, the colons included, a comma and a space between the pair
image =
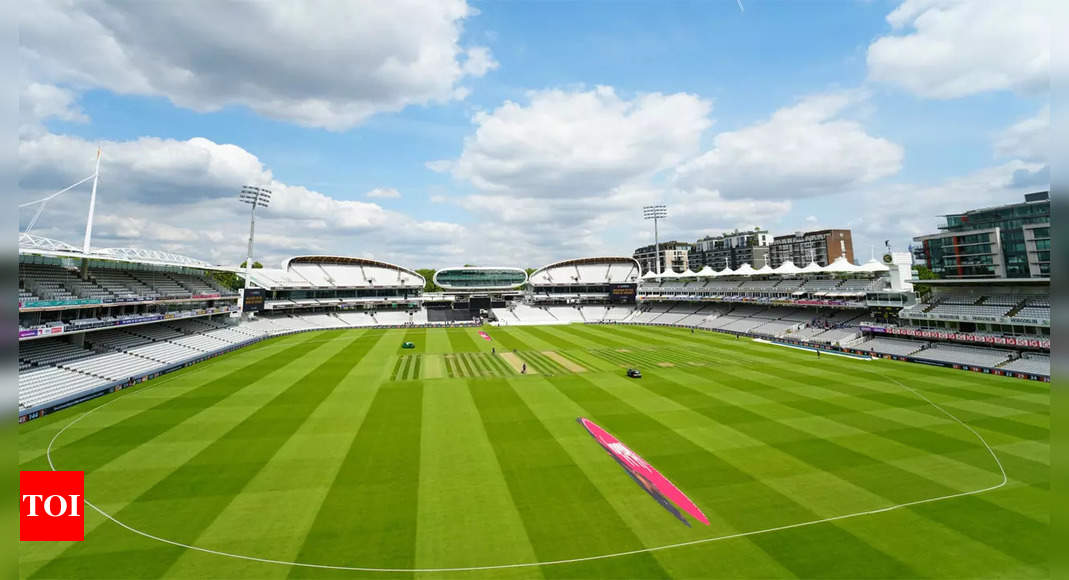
x: 656, y: 212
x: 254, y: 196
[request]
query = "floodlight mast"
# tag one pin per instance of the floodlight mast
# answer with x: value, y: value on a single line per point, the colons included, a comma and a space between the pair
x: 655, y: 213
x: 254, y: 196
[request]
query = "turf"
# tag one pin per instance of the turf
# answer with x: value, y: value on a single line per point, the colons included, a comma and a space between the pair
x: 340, y: 448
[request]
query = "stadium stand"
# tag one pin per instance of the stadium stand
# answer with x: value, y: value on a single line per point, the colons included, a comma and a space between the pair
x: 976, y: 356
x: 1034, y: 363
x: 895, y: 346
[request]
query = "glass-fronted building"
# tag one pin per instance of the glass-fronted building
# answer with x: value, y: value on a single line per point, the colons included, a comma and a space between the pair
x: 1008, y: 241
x: 474, y: 278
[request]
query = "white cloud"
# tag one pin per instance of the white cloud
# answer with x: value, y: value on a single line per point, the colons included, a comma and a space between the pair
x: 322, y: 64
x: 182, y: 196
x: 1027, y: 139
x: 805, y: 150
x: 900, y: 212
x: 565, y: 171
x: 39, y: 102
x: 698, y: 212
x: 946, y: 49
x: 578, y: 143
x: 384, y: 193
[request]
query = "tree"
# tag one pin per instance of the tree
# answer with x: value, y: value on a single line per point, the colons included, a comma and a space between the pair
x: 924, y: 273
x: 428, y: 275
x: 232, y: 280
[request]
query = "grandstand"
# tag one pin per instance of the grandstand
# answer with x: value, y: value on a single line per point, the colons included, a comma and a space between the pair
x: 1030, y: 363
x: 95, y: 324
x: 585, y: 280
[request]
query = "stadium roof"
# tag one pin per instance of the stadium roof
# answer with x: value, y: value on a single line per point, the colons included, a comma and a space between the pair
x: 42, y: 246
x: 839, y: 266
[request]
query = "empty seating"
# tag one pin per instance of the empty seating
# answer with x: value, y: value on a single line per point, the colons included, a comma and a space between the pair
x: 50, y: 351
x: 895, y: 346
x: 983, y: 357
x: 40, y: 386
x: 1032, y: 363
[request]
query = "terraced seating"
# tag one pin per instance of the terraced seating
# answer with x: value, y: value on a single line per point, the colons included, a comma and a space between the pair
x: 1038, y: 364
x: 165, y: 352
x: 983, y: 357
x: 50, y: 351
x: 40, y: 386
x: 115, y: 339
x: 895, y: 346
x: 113, y: 366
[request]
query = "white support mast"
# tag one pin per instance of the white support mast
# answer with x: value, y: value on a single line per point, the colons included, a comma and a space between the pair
x: 92, y: 207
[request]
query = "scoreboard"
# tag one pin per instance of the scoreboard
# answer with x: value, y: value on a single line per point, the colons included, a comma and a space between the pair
x: 622, y: 293
x: 252, y: 299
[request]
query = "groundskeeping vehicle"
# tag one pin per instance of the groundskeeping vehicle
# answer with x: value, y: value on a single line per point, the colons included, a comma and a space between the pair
x: 634, y: 373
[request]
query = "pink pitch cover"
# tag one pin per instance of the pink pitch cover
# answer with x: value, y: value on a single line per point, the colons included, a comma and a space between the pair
x: 655, y: 484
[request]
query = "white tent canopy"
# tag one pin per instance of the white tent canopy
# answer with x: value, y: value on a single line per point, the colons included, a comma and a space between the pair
x: 787, y: 268
x: 707, y: 271
x: 873, y: 266
x: 765, y: 270
x: 744, y: 270
x: 841, y: 266
x: 651, y: 275
x: 727, y: 271
x: 811, y: 268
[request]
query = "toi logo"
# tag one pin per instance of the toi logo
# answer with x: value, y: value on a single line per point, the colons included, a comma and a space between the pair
x: 51, y: 506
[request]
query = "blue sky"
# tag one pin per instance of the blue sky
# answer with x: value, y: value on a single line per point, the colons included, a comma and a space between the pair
x: 500, y: 147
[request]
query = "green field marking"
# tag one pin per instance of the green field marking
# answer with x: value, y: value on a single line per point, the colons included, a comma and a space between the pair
x: 418, y: 368
x: 501, y: 368
x: 551, y: 340
x: 397, y: 368
x: 433, y: 366
x: 466, y: 340
x: 887, y: 480
x: 205, y: 484
x: 368, y: 515
x: 943, y: 438
x: 691, y: 467
x: 109, y: 443
x: 460, y: 477
x: 504, y: 339
x: 291, y: 486
x: 533, y: 338
x: 543, y: 363
x: 558, y: 503
x: 758, y: 435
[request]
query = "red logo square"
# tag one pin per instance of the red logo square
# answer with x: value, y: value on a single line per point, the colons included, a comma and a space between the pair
x: 51, y: 506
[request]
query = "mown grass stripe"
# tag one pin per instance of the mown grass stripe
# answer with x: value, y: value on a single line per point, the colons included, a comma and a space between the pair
x: 557, y: 501
x: 109, y: 443
x: 395, y: 375
x: 961, y: 448
x: 501, y: 367
x: 554, y: 367
x: 702, y: 473
x: 552, y: 339
x: 369, y: 515
x: 894, y: 483
x: 469, y: 368
x: 202, y: 487
x: 417, y: 368
x: 459, y: 479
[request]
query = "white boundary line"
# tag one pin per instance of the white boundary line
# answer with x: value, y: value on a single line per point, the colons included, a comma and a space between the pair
x: 950, y: 415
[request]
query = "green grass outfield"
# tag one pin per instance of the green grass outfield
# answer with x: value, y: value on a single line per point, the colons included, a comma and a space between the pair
x: 340, y: 448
